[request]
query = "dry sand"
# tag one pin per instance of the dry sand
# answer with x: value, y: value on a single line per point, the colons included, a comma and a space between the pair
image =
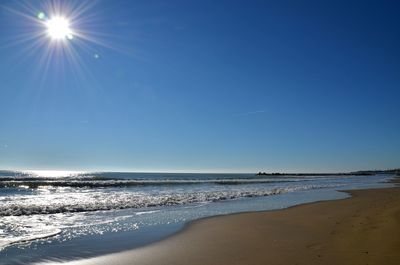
x: 364, y: 229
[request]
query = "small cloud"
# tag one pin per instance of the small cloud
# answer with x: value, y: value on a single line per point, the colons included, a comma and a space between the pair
x: 5, y: 145
x: 255, y: 112
x: 179, y: 28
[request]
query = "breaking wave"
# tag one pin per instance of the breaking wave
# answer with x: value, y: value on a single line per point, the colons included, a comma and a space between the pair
x: 103, y: 183
x: 100, y: 201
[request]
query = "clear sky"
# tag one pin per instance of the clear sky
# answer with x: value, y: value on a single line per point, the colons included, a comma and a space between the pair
x: 233, y: 86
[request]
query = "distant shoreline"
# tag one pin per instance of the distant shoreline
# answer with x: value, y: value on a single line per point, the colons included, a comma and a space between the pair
x: 353, y: 173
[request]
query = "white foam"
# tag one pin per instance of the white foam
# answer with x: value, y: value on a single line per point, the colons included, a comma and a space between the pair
x: 146, y: 212
x: 4, y: 242
x: 70, y: 202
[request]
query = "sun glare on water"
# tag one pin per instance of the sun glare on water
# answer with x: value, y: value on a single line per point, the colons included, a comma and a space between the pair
x: 54, y: 173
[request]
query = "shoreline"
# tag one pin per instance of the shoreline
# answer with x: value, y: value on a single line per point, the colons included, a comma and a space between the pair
x: 351, y: 193
x: 277, y: 238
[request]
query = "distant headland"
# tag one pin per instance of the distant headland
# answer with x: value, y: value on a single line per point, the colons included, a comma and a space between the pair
x: 353, y: 173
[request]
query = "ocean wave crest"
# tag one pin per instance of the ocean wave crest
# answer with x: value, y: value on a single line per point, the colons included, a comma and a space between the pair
x: 100, y: 201
x: 101, y: 183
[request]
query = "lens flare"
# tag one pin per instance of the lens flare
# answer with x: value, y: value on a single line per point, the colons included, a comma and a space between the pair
x: 41, y: 15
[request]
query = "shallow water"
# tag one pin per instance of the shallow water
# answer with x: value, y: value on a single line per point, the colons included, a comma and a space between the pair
x: 88, y: 214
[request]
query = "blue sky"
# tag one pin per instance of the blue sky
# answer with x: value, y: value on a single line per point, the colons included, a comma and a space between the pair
x: 221, y: 86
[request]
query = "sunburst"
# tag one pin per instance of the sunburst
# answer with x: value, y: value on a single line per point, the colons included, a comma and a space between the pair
x: 57, y: 34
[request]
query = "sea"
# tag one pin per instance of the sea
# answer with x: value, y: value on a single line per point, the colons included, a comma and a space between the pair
x: 62, y: 216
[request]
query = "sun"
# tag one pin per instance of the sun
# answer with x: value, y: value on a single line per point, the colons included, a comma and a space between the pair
x: 58, y: 28
x: 60, y: 35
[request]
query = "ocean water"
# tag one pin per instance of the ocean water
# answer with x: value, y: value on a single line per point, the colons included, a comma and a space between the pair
x: 69, y: 215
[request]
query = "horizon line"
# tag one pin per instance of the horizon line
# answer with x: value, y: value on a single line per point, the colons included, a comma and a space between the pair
x: 195, y: 171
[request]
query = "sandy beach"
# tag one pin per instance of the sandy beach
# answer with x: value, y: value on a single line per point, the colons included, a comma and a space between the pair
x: 363, y: 229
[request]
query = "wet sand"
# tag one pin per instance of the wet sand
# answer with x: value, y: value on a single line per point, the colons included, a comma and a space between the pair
x: 364, y: 229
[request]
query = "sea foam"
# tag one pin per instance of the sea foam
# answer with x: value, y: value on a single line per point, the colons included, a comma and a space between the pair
x: 104, y: 200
